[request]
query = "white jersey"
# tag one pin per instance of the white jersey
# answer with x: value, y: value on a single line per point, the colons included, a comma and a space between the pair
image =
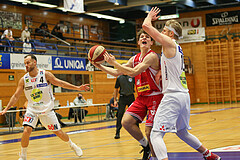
x: 173, y: 74
x: 38, y: 93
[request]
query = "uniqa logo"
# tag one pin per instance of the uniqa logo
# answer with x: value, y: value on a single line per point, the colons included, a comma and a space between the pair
x: 69, y: 64
x: 58, y: 63
x: 74, y: 64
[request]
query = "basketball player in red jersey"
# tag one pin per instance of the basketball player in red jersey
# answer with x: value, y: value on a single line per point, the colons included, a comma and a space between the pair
x: 144, y: 67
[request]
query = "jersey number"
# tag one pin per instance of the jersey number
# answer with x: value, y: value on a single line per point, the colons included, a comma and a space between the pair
x: 41, y: 79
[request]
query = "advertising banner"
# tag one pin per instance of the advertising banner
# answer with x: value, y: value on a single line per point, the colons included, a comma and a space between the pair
x: 68, y: 63
x: 222, y: 18
x: 43, y: 62
x: 194, y: 22
x: 4, y: 61
x: 192, y: 35
x: 74, y: 5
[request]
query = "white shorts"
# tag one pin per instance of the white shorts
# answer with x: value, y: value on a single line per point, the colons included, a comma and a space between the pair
x: 49, y: 120
x: 173, y: 113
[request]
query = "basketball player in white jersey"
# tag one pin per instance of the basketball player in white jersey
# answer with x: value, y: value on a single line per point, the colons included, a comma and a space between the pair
x: 36, y: 84
x: 173, y: 113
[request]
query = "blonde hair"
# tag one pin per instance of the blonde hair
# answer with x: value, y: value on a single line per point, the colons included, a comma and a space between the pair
x: 175, y: 25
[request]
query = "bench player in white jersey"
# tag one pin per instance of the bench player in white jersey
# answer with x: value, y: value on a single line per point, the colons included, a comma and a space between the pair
x: 144, y: 67
x: 36, y: 84
x: 173, y: 113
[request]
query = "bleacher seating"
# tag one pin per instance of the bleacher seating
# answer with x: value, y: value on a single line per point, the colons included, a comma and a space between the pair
x: 78, y: 47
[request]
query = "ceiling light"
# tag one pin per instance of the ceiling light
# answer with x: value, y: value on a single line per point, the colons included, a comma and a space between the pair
x: 22, y: 1
x: 44, y: 5
x: 36, y: 3
x: 106, y: 17
x: 62, y: 9
x: 122, y: 21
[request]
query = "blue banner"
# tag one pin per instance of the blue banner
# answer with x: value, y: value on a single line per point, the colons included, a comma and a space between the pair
x: 4, y: 61
x: 68, y: 63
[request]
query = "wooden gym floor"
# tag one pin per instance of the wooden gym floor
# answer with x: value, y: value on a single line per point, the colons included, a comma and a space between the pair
x: 217, y: 127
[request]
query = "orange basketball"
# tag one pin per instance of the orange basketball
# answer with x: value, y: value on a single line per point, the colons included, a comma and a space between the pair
x: 95, y: 54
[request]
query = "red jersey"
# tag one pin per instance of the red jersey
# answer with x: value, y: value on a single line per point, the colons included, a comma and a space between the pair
x: 145, y: 81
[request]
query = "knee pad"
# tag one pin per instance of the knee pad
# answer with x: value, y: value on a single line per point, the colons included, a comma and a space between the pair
x: 188, y: 138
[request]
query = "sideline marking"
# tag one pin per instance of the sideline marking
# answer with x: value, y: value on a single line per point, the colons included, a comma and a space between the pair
x: 98, y: 128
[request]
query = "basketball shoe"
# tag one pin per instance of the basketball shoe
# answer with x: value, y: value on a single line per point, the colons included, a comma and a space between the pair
x: 146, y: 152
x: 77, y: 150
x: 211, y: 156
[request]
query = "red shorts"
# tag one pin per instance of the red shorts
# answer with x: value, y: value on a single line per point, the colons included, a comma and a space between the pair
x: 145, y: 105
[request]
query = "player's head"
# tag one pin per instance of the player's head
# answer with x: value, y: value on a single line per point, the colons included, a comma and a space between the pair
x: 172, y: 29
x: 144, y: 39
x: 30, y: 62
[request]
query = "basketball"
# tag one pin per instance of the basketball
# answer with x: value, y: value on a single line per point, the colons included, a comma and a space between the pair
x: 95, y: 54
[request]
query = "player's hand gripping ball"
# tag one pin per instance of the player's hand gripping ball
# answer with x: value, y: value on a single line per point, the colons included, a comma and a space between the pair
x: 95, y: 54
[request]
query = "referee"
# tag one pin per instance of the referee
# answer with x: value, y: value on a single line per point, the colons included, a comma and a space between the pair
x: 125, y: 85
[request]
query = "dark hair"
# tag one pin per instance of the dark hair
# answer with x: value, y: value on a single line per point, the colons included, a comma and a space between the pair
x: 32, y: 57
x: 9, y: 27
x: 140, y: 32
x: 79, y: 93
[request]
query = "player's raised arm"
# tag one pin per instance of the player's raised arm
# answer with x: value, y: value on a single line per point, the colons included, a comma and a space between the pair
x: 163, y: 37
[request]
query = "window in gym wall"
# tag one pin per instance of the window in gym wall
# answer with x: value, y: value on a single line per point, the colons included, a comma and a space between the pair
x: 76, y: 79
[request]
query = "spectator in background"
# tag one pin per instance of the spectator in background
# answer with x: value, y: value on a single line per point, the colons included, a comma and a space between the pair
x: 27, y: 46
x: 57, y: 32
x: 8, y: 35
x: 110, y: 108
x: 25, y: 34
x: 79, y: 113
x: 43, y: 29
x: 44, y: 26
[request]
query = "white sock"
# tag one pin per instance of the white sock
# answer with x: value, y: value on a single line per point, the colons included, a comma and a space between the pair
x: 23, y: 151
x: 70, y: 142
x: 143, y: 142
x: 206, y: 153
